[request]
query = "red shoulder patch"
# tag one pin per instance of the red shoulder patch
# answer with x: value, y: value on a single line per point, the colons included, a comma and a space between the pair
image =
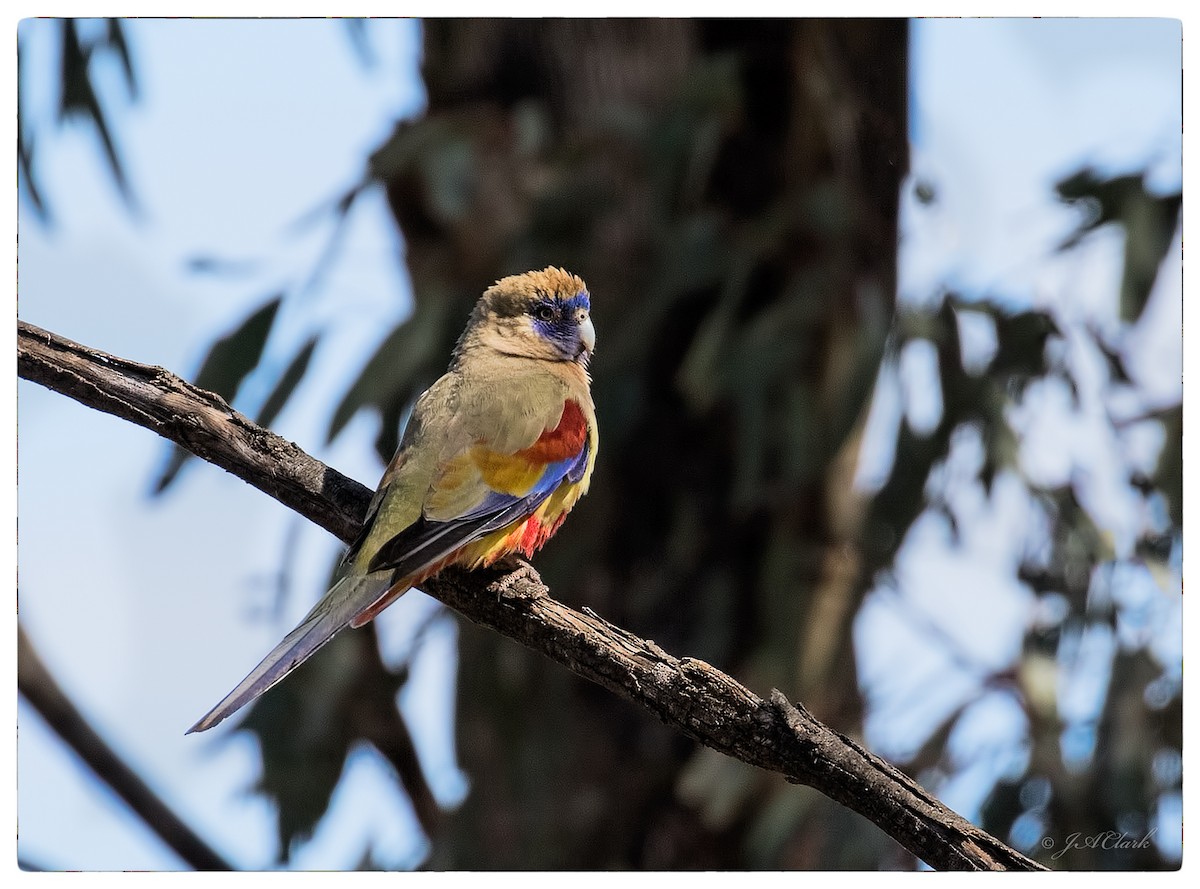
x: 563, y: 441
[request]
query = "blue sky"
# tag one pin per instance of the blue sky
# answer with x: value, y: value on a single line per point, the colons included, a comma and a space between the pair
x: 236, y: 137
x: 245, y: 127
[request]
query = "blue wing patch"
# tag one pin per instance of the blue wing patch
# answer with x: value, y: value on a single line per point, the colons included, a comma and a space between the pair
x: 424, y: 542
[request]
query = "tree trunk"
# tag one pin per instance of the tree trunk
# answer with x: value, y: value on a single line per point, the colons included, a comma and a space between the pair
x: 729, y: 191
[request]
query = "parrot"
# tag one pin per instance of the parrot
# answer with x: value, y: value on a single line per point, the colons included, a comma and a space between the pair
x: 495, y: 454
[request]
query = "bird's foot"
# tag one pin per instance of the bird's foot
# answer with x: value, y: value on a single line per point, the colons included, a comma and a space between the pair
x: 518, y: 581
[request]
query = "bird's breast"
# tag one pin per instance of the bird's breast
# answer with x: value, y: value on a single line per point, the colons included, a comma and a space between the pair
x: 563, y: 441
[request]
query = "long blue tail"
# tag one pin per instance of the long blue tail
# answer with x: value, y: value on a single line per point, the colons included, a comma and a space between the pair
x: 349, y: 596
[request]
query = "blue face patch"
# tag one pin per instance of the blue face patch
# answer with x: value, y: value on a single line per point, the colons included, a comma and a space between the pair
x: 554, y: 319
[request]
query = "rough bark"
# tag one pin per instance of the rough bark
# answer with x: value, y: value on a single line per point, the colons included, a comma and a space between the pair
x: 690, y: 695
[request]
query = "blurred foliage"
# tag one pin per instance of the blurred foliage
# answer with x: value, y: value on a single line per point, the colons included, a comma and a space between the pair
x: 81, y: 42
x: 1149, y: 221
x: 229, y: 361
x: 287, y: 383
x: 729, y: 190
x: 328, y: 712
x: 1094, y: 781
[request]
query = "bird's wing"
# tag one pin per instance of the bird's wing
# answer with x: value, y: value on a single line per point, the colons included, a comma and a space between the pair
x: 502, y: 489
x: 483, y: 490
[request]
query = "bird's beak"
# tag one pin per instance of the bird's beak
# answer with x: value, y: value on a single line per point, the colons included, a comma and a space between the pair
x: 587, y: 335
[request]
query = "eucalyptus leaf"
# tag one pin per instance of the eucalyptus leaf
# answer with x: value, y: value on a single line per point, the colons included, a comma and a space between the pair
x: 228, y: 362
x: 287, y: 383
x: 393, y: 372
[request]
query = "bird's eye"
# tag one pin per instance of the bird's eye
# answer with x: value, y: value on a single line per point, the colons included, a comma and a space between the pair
x: 546, y: 313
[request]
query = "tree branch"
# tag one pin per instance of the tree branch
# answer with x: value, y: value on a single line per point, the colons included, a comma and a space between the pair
x: 198, y: 420
x: 688, y: 694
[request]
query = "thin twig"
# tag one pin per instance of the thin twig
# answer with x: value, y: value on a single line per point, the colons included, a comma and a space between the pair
x: 38, y: 687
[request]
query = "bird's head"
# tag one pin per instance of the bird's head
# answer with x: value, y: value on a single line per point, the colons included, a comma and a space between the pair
x: 544, y: 315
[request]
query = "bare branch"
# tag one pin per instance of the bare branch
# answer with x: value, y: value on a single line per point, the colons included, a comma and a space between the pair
x: 688, y: 694
x: 198, y: 420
